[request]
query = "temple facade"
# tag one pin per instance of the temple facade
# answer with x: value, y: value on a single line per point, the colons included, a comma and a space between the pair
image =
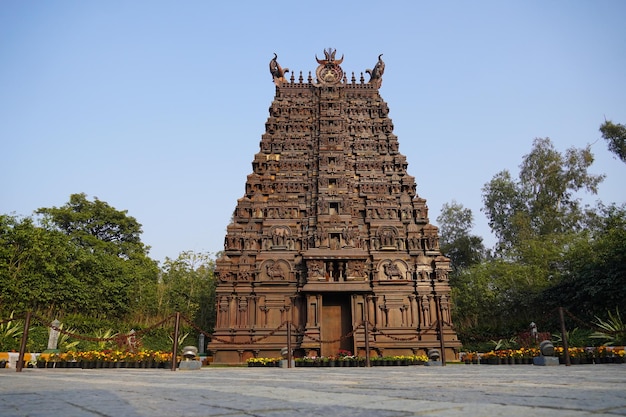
x: 330, y: 245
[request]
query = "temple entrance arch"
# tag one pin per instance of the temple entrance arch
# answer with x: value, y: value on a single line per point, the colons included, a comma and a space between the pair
x: 336, y: 323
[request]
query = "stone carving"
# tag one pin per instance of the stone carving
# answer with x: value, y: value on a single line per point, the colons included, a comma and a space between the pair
x: 329, y: 57
x: 316, y: 269
x: 274, y: 271
x: 376, y: 75
x: 280, y: 236
x: 329, y: 216
x: 442, y: 275
x: 356, y: 270
x: 329, y: 72
x: 348, y: 236
x: 387, y: 237
x: 244, y: 275
x: 278, y: 73
x: 392, y: 271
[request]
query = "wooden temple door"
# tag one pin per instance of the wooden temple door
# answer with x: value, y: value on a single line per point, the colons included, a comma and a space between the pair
x: 336, y: 324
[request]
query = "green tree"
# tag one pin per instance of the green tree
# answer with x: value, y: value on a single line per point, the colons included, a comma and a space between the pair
x: 537, y: 219
x: 505, y: 209
x: 36, y: 269
x: 187, y: 285
x: 543, y: 201
x: 615, y: 135
x: 594, y: 269
x: 456, y: 241
x: 96, y: 225
x: 494, y: 298
x: 109, y: 258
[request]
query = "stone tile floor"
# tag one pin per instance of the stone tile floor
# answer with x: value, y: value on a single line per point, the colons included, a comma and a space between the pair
x: 452, y: 390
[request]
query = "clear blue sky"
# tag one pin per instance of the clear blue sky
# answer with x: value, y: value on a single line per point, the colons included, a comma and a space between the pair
x: 158, y: 107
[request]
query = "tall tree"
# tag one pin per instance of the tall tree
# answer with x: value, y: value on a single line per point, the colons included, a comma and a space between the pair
x: 615, y: 135
x: 494, y: 298
x: 110, y: 257
x: 543, y: 201
x: 538, y: 219
x: 594, y: 270
x: 456, y: 241
x: 187, y: 285
x: 97, y: 225
x: 35, y: 268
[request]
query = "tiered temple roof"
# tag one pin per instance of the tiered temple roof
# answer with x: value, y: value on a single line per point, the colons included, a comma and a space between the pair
x: 330, y: 233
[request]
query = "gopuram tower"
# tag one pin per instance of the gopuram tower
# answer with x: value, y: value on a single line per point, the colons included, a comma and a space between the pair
x: 330, y: 242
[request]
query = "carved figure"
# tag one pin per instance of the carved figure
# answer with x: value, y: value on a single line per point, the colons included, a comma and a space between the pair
x: 376, y: 75
x: 392, y: 270
x: 355, y: 269
x: 320, y: 236
x: 330, y: 57
x: 315, y: 269
x: 441, y: 275
x: 329, y: 71
x: 387, y: 237
x: 334, y: 242
x: 279, y: 236
x: 274, y: 271
x: 348, y: 236
x: 244, y: 275
x: 322, y: 206
x: 278, y: 73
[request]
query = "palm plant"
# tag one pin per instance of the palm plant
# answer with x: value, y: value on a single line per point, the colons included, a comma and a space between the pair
x: 505, y: 343
x: 575, y: 337
x: 104, y: 334
x: 181, y: 339
x: 613, y: 330
x: 65, y: 344
x: 11, y: 333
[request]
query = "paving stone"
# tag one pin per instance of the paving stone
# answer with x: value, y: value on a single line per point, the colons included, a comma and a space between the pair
x: 452, y: 390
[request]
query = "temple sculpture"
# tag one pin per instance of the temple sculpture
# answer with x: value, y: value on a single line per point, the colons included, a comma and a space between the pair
x: 330, y: 242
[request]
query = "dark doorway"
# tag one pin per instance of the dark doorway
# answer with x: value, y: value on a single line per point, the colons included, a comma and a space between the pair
x: 336, y: 324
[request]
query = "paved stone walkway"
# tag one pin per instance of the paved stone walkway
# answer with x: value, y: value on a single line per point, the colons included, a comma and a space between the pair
x: 453, y: 390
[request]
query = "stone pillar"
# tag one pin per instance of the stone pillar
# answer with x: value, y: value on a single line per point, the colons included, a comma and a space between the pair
x: 414, y: 319
x: 426, y: 310
x: 232, y: 311
x: 242, y: 308
x: 201, y: 344
x: 223, y: 312
x: 373, y: 314
x: 254, y: 305
x: 53, y: 337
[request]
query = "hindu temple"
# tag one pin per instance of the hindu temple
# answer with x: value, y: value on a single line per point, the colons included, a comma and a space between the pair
x: 330, y: 244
